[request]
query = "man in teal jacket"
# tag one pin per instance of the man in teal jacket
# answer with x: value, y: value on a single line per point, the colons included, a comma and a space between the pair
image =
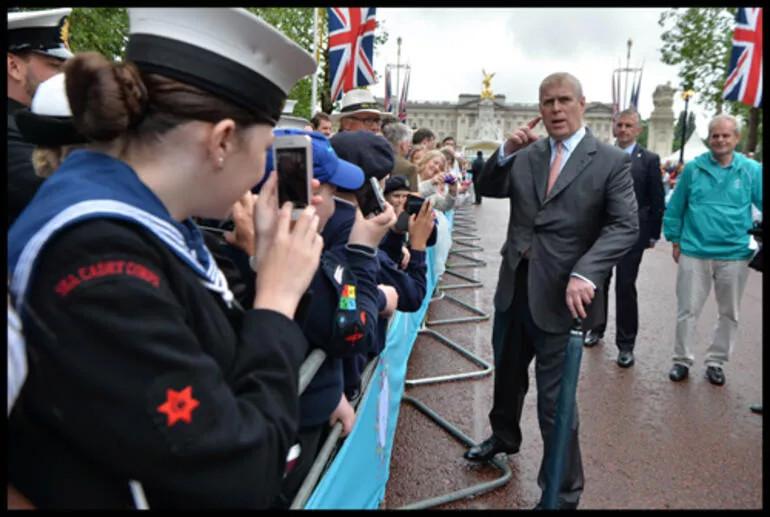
x: 707, y: 220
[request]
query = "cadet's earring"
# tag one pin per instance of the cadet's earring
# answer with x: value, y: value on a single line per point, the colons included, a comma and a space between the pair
x: 221, y: 161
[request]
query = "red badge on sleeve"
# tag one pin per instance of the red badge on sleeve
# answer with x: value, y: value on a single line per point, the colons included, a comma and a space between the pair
x: 179, y: 405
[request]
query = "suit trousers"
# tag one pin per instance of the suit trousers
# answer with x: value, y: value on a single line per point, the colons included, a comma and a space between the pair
x: 476, y: 191
x: 515, y: 341
x: 693, y: 284
x: 626, y: 305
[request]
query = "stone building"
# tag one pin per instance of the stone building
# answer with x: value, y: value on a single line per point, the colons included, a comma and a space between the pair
x: 482, y: 124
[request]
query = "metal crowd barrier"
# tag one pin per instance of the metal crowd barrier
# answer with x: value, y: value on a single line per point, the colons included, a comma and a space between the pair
x: 331, y: 445
x: 499, y: 463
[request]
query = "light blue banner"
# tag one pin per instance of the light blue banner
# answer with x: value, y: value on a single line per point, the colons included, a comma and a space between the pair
x: 357, y: 477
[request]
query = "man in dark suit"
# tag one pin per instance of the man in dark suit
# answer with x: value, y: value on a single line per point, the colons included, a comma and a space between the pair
x: 645, y: 169
x: 37, y: 49
x: 572, y: 217
x: 476, y: 166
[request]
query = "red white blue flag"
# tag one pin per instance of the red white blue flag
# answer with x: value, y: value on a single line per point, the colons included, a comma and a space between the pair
x: 744, y: 75
x: 404, y: 94
x: 388, y: 91
x: 351, y: 48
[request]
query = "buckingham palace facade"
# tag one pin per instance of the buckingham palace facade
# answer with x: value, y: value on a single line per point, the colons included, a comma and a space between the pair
x: 461, y: 119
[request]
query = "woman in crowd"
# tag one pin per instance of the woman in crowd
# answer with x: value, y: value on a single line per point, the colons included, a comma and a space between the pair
x: 148, y: 385
x: 416, y: 153
x: 433, y: 181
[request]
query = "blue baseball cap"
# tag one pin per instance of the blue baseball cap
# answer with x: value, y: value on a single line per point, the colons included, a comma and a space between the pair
x: 327, y: 166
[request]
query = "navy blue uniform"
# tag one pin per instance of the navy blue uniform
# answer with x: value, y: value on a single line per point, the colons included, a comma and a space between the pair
x: 411, y: 286
x: 141, y: 369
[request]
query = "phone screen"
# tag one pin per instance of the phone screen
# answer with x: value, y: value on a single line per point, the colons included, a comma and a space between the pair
x: 414, y: 203
x: 370, y: 198
x: 291, y: 165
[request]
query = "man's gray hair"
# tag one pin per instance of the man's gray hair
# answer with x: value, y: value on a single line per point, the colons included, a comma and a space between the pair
x: 722, y: 117
x: 631, y: 112
x: 396, y: 132
x: 559, y: 78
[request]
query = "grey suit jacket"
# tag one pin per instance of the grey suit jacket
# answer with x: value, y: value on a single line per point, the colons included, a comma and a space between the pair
x: 584, y: 226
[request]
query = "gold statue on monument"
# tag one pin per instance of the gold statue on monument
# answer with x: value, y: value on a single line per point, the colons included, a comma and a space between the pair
x: 486, y: 93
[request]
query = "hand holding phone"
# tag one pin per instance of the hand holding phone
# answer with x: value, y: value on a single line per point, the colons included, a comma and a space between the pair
x: 413, y: 204
x: 371, y: 201
x: 293, y: 159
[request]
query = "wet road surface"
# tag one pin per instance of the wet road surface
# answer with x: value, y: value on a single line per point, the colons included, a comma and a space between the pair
x: 646, y: 442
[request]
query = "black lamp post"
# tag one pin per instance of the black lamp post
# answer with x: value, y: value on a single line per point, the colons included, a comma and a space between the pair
x: 686, y: 96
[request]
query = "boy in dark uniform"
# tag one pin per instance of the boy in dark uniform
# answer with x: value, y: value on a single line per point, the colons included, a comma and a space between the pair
x: 341, y: 311
x: 375, y: 156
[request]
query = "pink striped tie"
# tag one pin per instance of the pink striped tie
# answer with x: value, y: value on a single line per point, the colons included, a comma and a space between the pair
x: 555, y: 166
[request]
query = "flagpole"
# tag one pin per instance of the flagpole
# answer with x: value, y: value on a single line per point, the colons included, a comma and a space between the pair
x: 628, y: 67
x: 398, y: 69
x: 314, y: 87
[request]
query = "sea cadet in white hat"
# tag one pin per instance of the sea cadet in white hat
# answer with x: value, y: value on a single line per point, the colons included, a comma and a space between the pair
x: 151, y: 386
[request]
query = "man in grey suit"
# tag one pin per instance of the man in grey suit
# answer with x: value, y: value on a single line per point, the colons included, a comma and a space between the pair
x: 573, y: 215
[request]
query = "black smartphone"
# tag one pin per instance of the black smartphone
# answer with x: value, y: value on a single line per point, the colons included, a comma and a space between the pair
x: 370, y: 199
x: 414, y: 204
x: 293, y: 159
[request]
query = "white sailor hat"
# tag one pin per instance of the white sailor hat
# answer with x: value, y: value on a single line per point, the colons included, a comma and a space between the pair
x: 44, y: 31
x: 48, y: 121
x: 229, y: 52
x: 357, y: 101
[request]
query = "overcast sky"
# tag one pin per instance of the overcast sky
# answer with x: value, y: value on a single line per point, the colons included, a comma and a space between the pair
x: 447, y: 49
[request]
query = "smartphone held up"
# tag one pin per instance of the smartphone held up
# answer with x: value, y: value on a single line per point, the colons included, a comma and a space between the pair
x: 371, y: 201
x: 293, y: 159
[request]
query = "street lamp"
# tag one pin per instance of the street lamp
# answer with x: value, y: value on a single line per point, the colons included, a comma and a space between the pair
x: 686, y: 96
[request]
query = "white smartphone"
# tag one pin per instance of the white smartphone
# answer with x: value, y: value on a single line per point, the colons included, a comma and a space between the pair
x: 293, y: 161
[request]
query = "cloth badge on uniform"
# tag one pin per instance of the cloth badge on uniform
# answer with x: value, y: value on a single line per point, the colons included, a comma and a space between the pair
x: 184, y: 408
x: 348, y: 298
x: 179, y: 405
x: 338, y: 274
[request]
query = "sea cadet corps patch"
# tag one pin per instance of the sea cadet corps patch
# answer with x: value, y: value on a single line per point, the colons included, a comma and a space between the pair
x: 101, y: 269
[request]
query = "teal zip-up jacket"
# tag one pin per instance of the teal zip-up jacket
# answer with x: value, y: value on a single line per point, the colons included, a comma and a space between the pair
x: 709, y: 213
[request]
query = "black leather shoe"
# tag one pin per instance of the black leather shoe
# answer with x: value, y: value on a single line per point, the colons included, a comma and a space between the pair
x: 756, y: 408
x: 592, y: 339
x: 678, y: 372
x: 625, y: 358
x: 715, y: 375
x: 487, y: 449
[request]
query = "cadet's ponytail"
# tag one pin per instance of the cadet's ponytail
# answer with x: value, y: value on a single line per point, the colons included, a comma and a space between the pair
x: 106, y: 98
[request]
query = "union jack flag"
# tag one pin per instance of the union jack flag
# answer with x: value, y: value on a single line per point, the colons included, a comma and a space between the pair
x: 351, y: 48
x: 744, y: 76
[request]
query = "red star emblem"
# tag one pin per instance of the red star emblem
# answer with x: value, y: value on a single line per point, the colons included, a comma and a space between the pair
x: 178, y: 405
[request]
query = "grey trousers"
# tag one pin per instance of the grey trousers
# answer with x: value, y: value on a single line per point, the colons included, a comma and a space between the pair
x: 694, y: 277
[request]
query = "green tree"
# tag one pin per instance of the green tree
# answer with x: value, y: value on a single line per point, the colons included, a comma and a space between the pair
x: 699, y: 41
x: 103, y: 30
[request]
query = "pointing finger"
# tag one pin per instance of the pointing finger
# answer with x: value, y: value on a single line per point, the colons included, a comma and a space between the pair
x: 532, y: 123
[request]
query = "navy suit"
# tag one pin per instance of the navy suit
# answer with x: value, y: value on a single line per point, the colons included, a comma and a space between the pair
x: 648, y: 187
